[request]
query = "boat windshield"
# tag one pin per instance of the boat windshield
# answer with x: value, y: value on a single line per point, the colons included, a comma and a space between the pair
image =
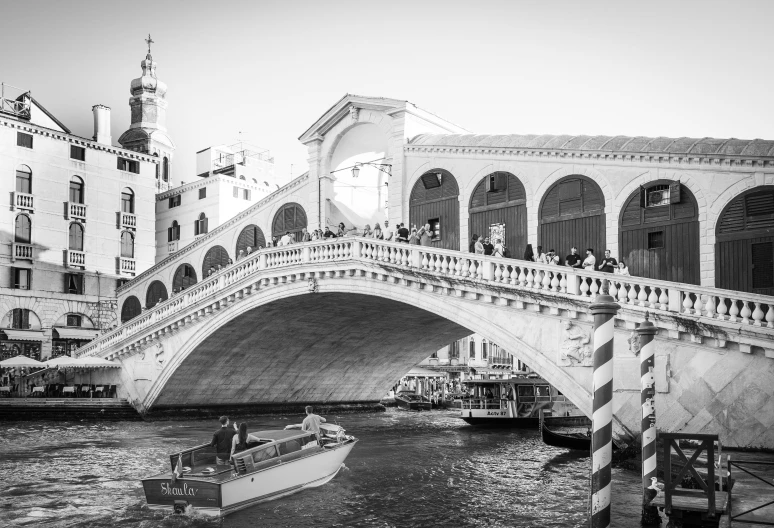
x: 412, y: 397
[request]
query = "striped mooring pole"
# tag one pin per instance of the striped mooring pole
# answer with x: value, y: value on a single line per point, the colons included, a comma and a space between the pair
x: 603, y: 309
x: 647, y: 331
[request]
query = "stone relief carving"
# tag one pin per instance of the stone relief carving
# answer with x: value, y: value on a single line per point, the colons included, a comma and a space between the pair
x: 354, y: 113
x: 634, y: 343
x: 575, y: 349
x: 312, y: 285
x: 159, y: 356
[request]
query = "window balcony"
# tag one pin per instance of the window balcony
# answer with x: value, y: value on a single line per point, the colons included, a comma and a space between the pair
x: 21, y: 251
x: 127, y: 221
x: 172, y: 246
x: 76, y: 259
x: 505, y: 361
x: 76, y: 211
x: 126, y: 265
x: 23, y: 201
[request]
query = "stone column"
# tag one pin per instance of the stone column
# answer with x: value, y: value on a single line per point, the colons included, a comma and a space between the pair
x: 603, y: 310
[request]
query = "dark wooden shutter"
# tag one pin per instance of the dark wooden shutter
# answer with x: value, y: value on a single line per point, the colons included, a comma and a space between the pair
x: 131, y: 309
x: 185, y: 276
x: 762, y: 265
x: 431, y: 180
x: 76, y: 237
x: 215, y: 255
x: 23, y: 232
x: 674, y: 192
x: 643, y: 197
x: 251, y: 236
x: 127, y: 245
x: 157, y: 292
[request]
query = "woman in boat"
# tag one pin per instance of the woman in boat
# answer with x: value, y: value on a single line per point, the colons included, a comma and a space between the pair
x: 239, y: 443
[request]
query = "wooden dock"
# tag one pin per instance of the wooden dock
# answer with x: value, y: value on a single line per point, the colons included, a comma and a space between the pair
x: 67, y: 409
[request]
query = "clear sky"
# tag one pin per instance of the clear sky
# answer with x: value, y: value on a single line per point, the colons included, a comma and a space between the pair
x: 270, y: 69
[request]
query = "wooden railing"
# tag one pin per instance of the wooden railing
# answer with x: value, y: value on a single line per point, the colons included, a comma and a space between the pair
x: 744, y: 465
x: 707, y: 444
x: 499, y: 276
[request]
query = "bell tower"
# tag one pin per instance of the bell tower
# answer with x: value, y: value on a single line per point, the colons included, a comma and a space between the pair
x: 148, y: 131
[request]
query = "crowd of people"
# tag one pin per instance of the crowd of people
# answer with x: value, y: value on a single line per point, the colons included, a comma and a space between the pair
x: 608, y: 264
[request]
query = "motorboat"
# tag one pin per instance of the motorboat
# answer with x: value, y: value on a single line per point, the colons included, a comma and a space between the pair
x: 281, y: 463
x: 514, y: 402
x: 413, y: 402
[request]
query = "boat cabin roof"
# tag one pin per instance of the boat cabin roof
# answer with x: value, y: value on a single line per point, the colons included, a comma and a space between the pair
x: 512, y: 381
x: 276, y: 435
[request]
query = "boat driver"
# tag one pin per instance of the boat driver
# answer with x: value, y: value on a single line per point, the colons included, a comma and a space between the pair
x: 312, y: 423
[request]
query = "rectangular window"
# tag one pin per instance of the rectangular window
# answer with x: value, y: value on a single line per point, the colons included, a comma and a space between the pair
x: 656, y: 240
x: 128, y: 165
x: 763, y: 265
x: 432, y: 180
x: 174, y: 201
x: 245, y: 194
x: 236, y: 192
x: 23, y: 182
x: 21, y: 319
x: 23, y: 140
x: 73, y: 320
x: 203, y: 193
x: 74, y: 283
x: 435, y: 228
x: 22, y: 278
x: 121, y: 282
x: 77, y: 153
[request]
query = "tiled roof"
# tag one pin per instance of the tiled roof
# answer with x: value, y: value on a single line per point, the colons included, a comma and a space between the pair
x: 705, y: 146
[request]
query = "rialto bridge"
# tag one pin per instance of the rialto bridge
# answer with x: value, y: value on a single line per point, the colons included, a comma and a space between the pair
x: 341, y: 320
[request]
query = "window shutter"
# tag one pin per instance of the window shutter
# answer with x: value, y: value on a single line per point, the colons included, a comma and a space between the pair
x: 204, y: 225
x: 169, y: 234
x: 236, y: 192
x: 500, y: 181
x: 643, y: 194
x: 674, y: 192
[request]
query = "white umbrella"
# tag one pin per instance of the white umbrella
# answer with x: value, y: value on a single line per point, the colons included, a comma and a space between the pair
x: 20, y: 361
x: 60, y: 361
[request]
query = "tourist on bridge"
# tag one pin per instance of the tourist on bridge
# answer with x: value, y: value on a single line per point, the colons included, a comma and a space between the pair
x: 473, y: 241
x: 286, y: 240
x: 241, y: 255
x: 425, y: 235
x: 573, y: 260
x: 387, y: 231
x: 541, y: 257
x: 312, y: 422
x: 249, y: 250
x: 414, y: 237
x: 590, y: 262
x: 552, y: 258
x: 305, y: 236
x: 499, y: 248
x: 403, y: 233
x: 622, y: 269
x: 529, y: 254
x: 608, y: 263
x: 274, y: 241
x: 222, y: 440
x: 378, y: 232
x: 367, y: 232
x: 328, y: 233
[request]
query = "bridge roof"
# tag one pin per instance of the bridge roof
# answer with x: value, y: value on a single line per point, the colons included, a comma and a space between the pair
x: 640, y: 144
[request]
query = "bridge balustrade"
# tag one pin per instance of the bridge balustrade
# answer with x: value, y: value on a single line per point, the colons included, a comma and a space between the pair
x: 498, y: 275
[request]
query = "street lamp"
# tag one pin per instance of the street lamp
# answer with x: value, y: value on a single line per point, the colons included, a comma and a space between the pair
x: 384, y: 167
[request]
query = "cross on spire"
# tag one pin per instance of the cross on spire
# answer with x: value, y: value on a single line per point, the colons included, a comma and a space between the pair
x: 150, y: 41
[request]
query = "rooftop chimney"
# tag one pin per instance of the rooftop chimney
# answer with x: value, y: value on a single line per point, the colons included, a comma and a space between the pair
x: 102, y: 125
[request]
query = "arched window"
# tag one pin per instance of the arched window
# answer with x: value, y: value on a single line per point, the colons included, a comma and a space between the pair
x: 659, y: 233
x: 127, y: 245
x: 200, y: 225
x: 165, y: 169
x: 76, y: 237
x: 572, y: 213
x: 498, y: 209
x: 76, y: 190
x: 291, y: 217
x: 127, y: 201
x: 130, y: 309
x: 24, y: 179
x: 157, y: 293
x: 483, y: 349
x: 744, y: 247
x: 23, y: 230
x: 472, y: 351
x: 20, y: 318
x: 173, y: 232
x: 185, y: 276
x: 215, y: 256
x: 435, y: 200
x: 250, y: 237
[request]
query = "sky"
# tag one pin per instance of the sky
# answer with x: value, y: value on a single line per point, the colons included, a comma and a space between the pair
x: 269, y: 69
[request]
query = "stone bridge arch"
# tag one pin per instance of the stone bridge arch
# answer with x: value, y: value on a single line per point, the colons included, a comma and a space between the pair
x: 375, y: 331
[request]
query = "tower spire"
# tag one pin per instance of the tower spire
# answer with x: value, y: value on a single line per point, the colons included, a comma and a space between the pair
x: 149, y: 41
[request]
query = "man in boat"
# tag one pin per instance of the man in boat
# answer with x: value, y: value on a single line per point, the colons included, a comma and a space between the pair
x: 222, y: 440
x: 312, y: 422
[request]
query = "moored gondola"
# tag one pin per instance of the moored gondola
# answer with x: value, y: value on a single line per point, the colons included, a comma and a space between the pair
x: 570, y: 440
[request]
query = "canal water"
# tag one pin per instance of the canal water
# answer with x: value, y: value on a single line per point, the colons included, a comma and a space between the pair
x: 409, y: 469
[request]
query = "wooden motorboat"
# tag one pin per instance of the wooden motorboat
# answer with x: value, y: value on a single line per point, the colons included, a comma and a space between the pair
x: 281, y: 463
x: 413, y: 402
x: 580, y: 441
x: 514, y: 402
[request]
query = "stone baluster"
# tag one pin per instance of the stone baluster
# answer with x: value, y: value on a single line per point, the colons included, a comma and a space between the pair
x: 613, y: 289
x: 584, y: 287
x: 465, y: 269
x: 522, y: 278
x: 770, y: 316
x: 425, y: 262
x: 514, y: 276
x: 554, y: 282
x: 623, y: 294
x: 498, y: 274
x: 546, y: 282
x: 709, y: 306
x: 632, y: 296
x: 663, y: 299
x: 653, y: 298
x: 687, y: 302
x: 745, y: 313
x: 473, y: 269
x: 642, y: 296
x: 757, y: 315
x: 722, y: 309
x: 444, y: 264
x: 530, y: 278
x: 593, y: 289
x: 483, y: 270
x: 563, y: 283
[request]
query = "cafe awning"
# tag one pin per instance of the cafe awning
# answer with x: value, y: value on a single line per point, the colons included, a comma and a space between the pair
x: 23, y: 335
x: 425, y: 373
x: 482, y: 370
x: 76, y: 333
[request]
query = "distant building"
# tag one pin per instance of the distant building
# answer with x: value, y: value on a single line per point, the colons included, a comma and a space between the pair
x: 475, y: 357
x: 80, y: 219
x: 230, y: 179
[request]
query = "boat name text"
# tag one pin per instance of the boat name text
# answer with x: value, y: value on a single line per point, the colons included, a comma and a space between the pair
x: 167, y: 489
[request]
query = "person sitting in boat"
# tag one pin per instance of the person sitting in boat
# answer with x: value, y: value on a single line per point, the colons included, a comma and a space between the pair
x: 239, y: 442
x: 489, y: 395
x: 312, y: 422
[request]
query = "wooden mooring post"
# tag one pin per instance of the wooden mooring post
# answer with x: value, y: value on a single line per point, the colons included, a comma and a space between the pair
x: 647, y: 332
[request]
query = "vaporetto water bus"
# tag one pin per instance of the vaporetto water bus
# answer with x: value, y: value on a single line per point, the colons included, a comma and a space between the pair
x: 514, y: 402
x: 281, y: 463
